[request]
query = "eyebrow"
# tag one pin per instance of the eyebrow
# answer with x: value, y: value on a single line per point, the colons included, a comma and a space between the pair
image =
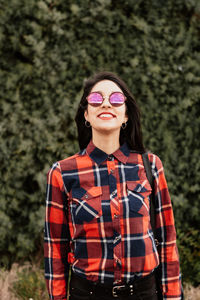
x: 109, y: 94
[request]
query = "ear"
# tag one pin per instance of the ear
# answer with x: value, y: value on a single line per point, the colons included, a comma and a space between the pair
x: 126, y: 118
x: 126, y: 115
x: 85, y: 114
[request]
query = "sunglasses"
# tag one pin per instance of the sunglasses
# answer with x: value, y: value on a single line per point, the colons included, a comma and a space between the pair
x: 115, y: 99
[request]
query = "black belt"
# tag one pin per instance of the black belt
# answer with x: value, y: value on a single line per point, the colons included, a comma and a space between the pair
x: 139, y: 285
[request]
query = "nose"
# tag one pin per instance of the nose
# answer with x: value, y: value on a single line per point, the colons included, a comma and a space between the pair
x: 106, y: 102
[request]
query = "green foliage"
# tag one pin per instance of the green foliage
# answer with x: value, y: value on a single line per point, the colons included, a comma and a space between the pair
x: 189, y: 248
x: 47, y: 49
x: 30, y: 284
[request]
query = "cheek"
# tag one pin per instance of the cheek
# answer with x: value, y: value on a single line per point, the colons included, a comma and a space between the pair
x: 123, y: 113
x: 89, y: 113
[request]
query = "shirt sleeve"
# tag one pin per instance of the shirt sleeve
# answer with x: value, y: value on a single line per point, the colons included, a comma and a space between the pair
x: 166, y: 234
x: 56, y: 237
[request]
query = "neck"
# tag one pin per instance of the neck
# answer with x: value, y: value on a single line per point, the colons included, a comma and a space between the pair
x: 107, y: 143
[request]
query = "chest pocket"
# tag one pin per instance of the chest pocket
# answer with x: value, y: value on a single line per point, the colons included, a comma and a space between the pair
x: 138, y: 193
x: 85, y: 204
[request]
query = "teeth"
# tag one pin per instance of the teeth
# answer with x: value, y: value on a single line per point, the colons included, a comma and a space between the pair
x: 105, y: 115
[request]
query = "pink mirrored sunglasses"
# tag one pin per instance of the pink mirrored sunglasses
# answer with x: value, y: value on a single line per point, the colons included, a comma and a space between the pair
x: 115, y: 99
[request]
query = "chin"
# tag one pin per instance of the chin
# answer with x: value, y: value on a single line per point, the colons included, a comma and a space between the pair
x: 107, y: 129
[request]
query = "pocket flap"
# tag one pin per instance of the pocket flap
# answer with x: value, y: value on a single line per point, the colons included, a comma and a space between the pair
x: 86, y: 203
x: 86, y: 193
x: 137, y: 194
x: 138, y: 187
x: 94, y: 191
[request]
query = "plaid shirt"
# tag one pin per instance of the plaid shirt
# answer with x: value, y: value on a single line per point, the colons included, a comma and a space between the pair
x: 97, y: 221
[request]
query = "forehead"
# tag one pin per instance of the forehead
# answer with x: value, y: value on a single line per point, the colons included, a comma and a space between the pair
x: 106, y: 87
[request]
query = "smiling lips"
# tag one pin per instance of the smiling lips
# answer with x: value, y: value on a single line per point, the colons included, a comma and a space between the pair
x: 106, y: 116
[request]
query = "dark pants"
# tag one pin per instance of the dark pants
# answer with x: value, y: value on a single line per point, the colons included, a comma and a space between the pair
x: 80, y: 291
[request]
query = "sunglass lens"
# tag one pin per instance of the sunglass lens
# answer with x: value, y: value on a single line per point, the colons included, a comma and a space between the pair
x: 95, y: 99
x: 117, y: 99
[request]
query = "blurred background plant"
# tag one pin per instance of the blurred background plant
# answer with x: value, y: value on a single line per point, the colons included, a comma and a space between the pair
x: 23, y: 283
x: 30, y: 284
x: 47, y: 49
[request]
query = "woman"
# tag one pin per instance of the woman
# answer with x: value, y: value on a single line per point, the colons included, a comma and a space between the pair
x: 97, y: 209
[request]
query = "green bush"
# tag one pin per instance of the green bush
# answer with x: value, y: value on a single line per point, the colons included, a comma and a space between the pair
x: 47, y: 49
x: 30, y: 285
x: 189, y: 248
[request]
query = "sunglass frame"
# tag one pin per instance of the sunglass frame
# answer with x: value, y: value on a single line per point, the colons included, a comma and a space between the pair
x: 103, y: 99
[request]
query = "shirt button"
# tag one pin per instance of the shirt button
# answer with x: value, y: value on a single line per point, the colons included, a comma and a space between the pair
x: 117, y: 238
x: 111, y: 171
x: 116, y: 216
x: 118, y: 262
x: 117, y: 281
x: 86, y: 196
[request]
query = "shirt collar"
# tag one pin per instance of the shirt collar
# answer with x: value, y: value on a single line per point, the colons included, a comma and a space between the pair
x: 99, y: 156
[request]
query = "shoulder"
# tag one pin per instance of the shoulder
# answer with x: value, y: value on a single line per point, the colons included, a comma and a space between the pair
x: 155, y: 161
x: 56, y: 171
x: 69, y: 163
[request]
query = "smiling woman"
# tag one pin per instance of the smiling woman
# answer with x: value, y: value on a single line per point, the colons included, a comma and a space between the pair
x: 106, y: 118
x: 130, y: 131
x: 98, y: 207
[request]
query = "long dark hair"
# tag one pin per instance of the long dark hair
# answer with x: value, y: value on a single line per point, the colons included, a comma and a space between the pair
x: 131, y: 134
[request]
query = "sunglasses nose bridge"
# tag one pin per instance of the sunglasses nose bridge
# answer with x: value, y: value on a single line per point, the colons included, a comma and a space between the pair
x: 106, y: 101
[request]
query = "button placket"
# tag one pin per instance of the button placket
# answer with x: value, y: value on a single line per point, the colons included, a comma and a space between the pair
x: 115, y: 209
x: 117, y: 251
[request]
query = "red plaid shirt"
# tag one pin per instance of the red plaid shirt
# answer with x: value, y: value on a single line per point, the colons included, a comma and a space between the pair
x: 97, y: 221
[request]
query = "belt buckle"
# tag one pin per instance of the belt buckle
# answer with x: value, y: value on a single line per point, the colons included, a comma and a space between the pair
x: 115, y: 289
